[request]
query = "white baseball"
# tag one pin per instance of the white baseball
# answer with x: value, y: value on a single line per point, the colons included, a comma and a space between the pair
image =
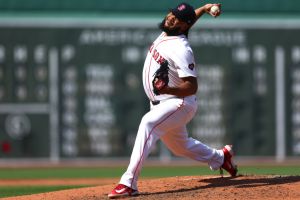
x: 214, y: 9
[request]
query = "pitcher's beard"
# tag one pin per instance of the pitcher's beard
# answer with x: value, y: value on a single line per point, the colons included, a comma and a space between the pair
x: 169, y: 32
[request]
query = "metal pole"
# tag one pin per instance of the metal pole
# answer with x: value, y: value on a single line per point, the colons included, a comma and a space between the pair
x: 53, y: 108
x: 280, y: 104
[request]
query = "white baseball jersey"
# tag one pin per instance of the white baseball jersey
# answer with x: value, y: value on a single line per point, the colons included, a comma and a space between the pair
x: 177, y: 51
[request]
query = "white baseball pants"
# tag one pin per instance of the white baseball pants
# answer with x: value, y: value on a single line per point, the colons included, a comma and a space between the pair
x: 167, y: 121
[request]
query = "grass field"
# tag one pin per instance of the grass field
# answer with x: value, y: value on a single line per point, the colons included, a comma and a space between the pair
x: 115, y: 172
x: 11, y: 191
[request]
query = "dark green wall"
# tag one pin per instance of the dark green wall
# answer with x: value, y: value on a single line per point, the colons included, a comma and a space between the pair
x: 145, y: 6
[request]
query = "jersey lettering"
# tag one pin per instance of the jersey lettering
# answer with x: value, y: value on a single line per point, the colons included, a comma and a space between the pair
x: 156, y: 55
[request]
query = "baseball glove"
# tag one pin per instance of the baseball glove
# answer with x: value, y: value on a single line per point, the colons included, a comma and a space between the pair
x: 161, y: 77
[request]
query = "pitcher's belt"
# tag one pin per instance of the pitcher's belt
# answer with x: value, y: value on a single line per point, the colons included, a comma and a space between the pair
x: 158, y: 101
x: 155, y: 102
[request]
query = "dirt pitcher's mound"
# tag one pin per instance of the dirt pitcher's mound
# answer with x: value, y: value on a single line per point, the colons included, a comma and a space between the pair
x: 191, y: 187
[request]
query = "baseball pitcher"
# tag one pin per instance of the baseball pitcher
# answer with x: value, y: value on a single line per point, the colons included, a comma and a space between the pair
x: 170, y: 82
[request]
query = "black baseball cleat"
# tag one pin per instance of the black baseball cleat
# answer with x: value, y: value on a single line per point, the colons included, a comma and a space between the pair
x: 228, y: 163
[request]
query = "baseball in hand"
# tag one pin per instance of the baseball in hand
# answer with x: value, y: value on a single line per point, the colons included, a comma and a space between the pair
x: 214, y: 10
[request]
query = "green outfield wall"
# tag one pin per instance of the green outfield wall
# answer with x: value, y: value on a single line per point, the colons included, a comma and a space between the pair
x: 70, y: 76
x: 72, y: 88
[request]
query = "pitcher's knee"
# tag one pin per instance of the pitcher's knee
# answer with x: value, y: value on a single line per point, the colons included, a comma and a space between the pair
x: 148, y: 122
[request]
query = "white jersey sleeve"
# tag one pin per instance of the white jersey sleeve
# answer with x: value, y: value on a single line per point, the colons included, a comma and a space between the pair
x: 183, y: 59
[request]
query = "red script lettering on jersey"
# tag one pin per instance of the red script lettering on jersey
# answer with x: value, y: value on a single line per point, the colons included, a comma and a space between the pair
x: 155, y: 55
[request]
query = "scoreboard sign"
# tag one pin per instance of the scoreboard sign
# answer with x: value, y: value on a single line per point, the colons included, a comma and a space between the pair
x: 73, y: 89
